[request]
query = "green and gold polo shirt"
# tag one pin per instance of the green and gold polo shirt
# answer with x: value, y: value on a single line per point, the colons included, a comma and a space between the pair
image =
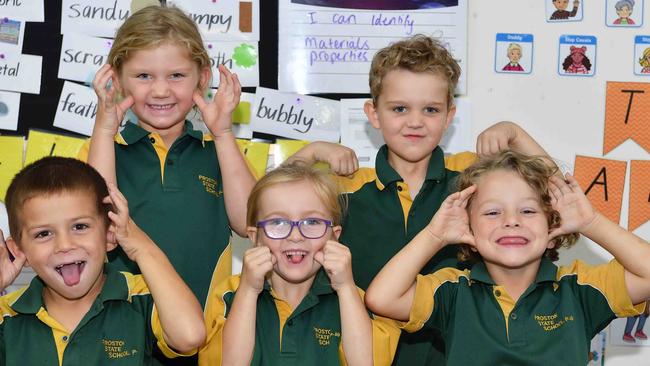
x: 121, y: 328
x: 552, y: 323
x: 175, y: 195
x: 382, y: 218
x: 307, y: 335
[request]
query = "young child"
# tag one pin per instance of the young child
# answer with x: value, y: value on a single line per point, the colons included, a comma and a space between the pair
x: 182, y: 193
x: 412, y: 84
x: 79, y: 310
x: 515, y: 307
x: 295, y: 302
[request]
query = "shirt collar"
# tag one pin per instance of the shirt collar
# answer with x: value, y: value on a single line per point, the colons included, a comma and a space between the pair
x: 132, y: 133
x: 320, y: 286
x: 547, y: 272
x: 31, y: 301
x: 387, y: 175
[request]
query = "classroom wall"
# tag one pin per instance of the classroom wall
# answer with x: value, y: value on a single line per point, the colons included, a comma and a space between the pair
x: 564, y: 114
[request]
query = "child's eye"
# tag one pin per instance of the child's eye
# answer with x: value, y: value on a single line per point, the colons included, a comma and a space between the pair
x: 491, y: 213
x: 399, y: 109
x: 42, y: 234
x: 430, y: 110
x: 529, y: 211
x: 144, y: 76
x: 79, y: 227
x: 177, y: 75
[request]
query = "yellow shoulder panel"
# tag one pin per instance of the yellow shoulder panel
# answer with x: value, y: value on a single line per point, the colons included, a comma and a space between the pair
x: 353, y: 183
x: 458, y: 162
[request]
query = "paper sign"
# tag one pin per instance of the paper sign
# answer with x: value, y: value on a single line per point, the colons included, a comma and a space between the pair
x: 27, y: 10
x: 9, y: 107
x: 358, y: 134
x: 41, y: 144
x: 326, y: 46
x: 11, y: 160
x: 76, y: 109
x: 82, y: 56
x: 257, y: 154
x: 12, y: 33
x: 224, y: 19
x: 295, y: 116
x: 22, y: 74
x: 95, y: 18
x: 242, y: 58
x: 283, y: 149
x: 603, y: 181
x: 627, y: 115
x: 639, y: 212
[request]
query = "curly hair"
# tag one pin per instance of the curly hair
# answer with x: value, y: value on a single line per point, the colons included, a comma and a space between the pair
x: 418, y: 53
x: 535, y: 171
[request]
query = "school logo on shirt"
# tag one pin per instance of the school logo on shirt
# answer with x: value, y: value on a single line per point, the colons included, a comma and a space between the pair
x: 210, y: 185
x: 118, y: 349
x: 553, y: 321
x: 324, y: 336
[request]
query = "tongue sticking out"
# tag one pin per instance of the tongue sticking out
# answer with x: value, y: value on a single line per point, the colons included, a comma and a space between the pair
x: 71, y: 273
x: 296, y: 258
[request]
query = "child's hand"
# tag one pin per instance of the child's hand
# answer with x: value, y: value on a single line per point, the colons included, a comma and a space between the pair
x: 9, y: 270
x: 496, y: 138
x: 575, y: 210
x: 217, y: 114
x: 123, y: 229
x: 342, y: 159
x: 109, y: 112
x: 337, y: 263
x: 450, y: 224
x: 258, y: 261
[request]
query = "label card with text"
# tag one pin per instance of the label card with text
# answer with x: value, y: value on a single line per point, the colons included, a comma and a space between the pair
x: 241, y: 58
x: 295, y: 116
x: 11, y: 160
x: 642, y: 55
x: 9, y: 108
x: 513, y: 53
x: 603, y: 182
x: 22, y: 74
x: 326, y: 46
x: 76, y: 109
x: 577, y: 55
x: 41, y: 144
x: 627, y: 115
x: 12, y: 32
x: 27, y: 10
x: 224, y: 19
x: 82, y: 56
x: 95, y: 18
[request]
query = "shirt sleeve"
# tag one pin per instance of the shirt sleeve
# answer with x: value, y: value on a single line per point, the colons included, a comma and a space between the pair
x: 216, y: 309
x: 601, y: 291
x: 435, y: 295
x: 459, y: 162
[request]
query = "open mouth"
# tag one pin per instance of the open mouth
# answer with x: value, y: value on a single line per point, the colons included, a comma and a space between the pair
x: 512, y: 241
x: 295, y: 256
x: 161, y: 107
x: 71, y: 272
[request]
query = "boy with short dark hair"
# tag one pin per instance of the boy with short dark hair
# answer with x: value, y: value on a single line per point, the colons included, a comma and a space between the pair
x: 412, y: 85
x: 78, y: 309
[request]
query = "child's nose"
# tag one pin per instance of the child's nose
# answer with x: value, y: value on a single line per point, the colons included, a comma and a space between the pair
x: 160, y: 88
x: 63, y: 243
x: 511, y: 220
x: 295, y: 234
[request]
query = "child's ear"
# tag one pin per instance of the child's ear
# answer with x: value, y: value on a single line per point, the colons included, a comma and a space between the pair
x: 251, y: 232
x: 371, y: 112
x: 111, y: 243
x: 450, y: 115
x: 337, y: 232
x: 14, y: 249
x: 204, y: 79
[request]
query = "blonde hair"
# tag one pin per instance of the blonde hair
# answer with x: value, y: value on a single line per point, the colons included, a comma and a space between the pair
x: 643, y: 61
x: 153, y: 26
x: 325, y: 187
x: 418, y: 53
x: 535, y: 171
x: 514, y: 46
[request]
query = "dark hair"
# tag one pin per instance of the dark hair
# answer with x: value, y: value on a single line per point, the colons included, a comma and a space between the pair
x: 52, y: 175
x: 568, y: 61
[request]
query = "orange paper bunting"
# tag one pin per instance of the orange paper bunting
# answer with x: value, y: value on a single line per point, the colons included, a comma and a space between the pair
x: 603, y: 181
x: 627, y: 115
x: 639, y: 194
